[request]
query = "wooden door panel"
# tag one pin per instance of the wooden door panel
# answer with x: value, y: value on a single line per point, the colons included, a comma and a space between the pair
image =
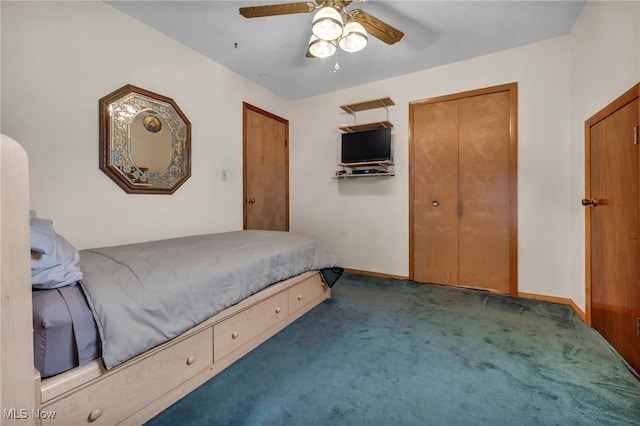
x: 615, y: 280
x: 265, y: 171
x: 253, y: 169
x: 484, y: 210
x: 435, y: 179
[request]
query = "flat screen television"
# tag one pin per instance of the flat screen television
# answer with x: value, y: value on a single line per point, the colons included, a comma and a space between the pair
x: 368, y: 145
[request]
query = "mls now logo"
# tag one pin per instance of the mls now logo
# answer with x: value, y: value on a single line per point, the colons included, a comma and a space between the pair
x: 23, y: 413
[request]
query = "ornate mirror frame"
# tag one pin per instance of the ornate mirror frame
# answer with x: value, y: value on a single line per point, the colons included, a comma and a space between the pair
x: 136, y: 124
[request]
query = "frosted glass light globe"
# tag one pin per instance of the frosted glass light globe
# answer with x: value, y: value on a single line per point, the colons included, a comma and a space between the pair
x: 321, y: 48
x: 327, y: 24
x: 354, y: 37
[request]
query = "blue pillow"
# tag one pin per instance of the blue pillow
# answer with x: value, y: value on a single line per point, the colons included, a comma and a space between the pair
x: 42, y: 234
x: 57, y: 268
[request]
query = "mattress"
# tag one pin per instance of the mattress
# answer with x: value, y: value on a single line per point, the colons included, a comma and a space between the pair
x: 64, y: 331
x: 145, y: 294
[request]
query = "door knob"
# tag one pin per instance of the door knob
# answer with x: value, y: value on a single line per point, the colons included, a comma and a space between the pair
x: 590, y: 202
x: 251, y: 200
x: 435, y: 204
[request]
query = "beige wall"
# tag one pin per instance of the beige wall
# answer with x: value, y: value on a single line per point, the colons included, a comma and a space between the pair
x: 366, y: 220
x: 58, y: 59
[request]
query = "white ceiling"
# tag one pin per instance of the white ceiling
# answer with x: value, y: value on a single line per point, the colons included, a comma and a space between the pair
x: 271, y: 50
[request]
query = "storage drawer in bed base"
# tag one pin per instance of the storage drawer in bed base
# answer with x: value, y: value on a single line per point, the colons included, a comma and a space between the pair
x: 144, y: 386
x: 125, y: 389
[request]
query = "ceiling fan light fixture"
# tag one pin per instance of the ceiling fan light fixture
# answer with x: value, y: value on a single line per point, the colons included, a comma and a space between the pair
x: 354, y: 37
x: 321, y: 48
x: 327, y: 24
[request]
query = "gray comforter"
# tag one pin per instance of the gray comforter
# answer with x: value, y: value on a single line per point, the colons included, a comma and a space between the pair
x: 144, y: 294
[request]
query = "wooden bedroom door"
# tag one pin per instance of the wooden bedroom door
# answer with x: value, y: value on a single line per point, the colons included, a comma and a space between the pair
x: 613, y: 228
x: 463, y: 190
x: 265, y: 170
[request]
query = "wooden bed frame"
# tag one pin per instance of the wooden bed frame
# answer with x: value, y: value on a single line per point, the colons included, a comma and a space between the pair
x: 140, y: 388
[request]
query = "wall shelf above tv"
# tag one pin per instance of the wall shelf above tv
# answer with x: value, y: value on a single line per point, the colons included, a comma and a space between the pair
x: 365, y: 126
x: 363, y: 106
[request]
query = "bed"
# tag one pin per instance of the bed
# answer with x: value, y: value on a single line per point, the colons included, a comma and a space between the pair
x: 176, y: 340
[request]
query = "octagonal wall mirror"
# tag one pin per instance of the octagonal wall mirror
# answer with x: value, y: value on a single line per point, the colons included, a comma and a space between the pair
x: 145, y: 141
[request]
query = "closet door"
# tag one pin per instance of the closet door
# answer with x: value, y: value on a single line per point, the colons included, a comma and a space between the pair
x: 462, y: 190
x: 435, y: 202
x: 483, y: 189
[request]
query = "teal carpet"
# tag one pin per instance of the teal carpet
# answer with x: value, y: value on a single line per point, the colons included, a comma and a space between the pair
x: 391, y: 352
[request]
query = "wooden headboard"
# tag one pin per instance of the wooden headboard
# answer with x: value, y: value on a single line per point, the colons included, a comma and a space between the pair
x: 17, y: 386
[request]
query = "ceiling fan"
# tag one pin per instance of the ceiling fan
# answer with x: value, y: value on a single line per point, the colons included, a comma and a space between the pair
x: 333, y: 25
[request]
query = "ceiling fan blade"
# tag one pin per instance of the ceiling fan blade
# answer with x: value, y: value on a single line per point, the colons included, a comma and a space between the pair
x: 376, y: 27
x: 277, y: 9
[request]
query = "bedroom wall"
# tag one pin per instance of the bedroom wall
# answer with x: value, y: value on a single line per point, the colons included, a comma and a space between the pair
x: 366, y: 220
x: 605, y: 62
x: 58, y: 59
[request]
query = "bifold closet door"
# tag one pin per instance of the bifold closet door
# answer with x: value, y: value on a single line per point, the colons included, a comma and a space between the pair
x: 435, y: 200
x: 461, y: 191
x: 483, y: 189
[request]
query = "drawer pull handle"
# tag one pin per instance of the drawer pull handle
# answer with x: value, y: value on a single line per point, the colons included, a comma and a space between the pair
x: 299, y: 297
x: 278, y: 310
x: 95, y: 414
x: 235, y: 335
x: 191, y: 359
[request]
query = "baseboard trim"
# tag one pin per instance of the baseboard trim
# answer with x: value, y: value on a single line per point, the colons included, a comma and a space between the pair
x: 376, y: 274
x: 554, y: 299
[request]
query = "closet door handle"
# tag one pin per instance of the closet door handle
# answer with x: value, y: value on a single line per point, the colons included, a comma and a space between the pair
x: 435, y: 203
x: 251, y: 200
x: 590, y: 202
